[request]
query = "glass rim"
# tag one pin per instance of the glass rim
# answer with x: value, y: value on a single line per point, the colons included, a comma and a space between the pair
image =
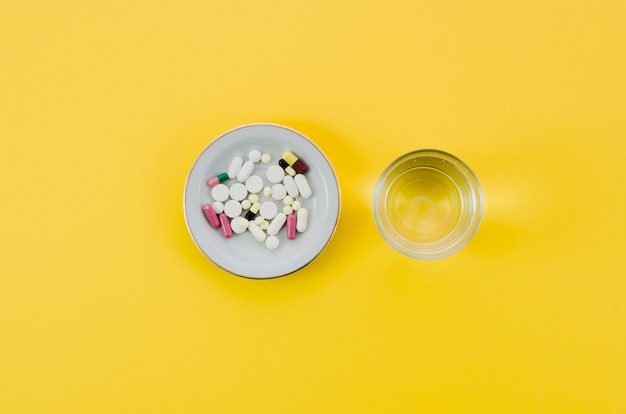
x: 458, y: 236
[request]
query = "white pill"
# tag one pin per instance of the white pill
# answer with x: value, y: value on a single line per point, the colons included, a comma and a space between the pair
x: 218, y: 206
x: 257, y: 233
x: 246, y: 171
x: 277, y: 224
x: 268, y: 210
x: 290, y: 185
x: 254, y: 198
x: 266, y: 158
x: 296, y: 205
x: 239, y: 225
x: 238, y: 192
x: 255, y: 207
x: 264, y: 225
x: 235, y: 166
x: 220, y: 192
x: 287, y: 210
x: 246, y: 204
x: 278, y: 192
x: 254, y: 184
x: 258, y: 220
x: 254, y: 155
x: 288, y: 200
x: 272, y: 242
x: 232, y: 208
x: 302, y: 219
x: 303, y: 185
x: 275, y: 174
x: 267, y: 191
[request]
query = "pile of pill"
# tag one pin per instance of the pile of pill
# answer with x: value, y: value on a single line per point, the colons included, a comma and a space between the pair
x: 262, y: 206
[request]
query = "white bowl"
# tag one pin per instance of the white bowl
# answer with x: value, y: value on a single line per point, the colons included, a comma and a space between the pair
x: 242, y: 255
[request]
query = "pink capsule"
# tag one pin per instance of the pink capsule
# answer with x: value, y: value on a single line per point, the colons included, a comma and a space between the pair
x: 291, y: 226
x: 210, y: 215
x: 226, y: 229
x: 220, y: 178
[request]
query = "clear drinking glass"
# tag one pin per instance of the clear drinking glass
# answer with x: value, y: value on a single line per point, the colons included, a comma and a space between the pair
x: 427, y: 204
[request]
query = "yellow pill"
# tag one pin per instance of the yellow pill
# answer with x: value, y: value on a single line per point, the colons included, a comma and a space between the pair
x: 290, y: 157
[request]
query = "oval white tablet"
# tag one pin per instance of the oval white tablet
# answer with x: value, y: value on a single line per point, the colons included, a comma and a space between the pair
x: 278, y: 192
x: 302, y: 219
x: 257, y: 233
x: 220, y: 192
x: 246, y: 171
x: 303, y: 186
x: 275, y: 174
x: 254, y: 184
x: 238, y: 191
x: 235, y: 166
x: 276, y: 224
x: 232, y: 208
x: 268, y: 210
x: 290, y: 185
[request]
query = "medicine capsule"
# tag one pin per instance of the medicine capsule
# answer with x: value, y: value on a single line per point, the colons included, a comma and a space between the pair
x: 245, y: 172
x: 277, y: 224
x: 297, y: 164
x: 288, y: 169
x: 302, y: 220
x: 254, y: 209
x: 257, y: 233
x: 235, y: 166
x: 220, y: 178
x: 291, y: 226
x: 210, y: 215
x: 303, y: 185
x: 226, y: 229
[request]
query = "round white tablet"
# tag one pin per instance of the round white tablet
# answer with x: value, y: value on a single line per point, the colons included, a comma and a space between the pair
x: 232, y: 208
x: 220, y: 192
x: 254, y: 155
x: 272, y: 242
x: 275, y: 174
x: 268, y: 210
x: 239, y: 225
x: 254, y: 184
x: 278, y: 192
x: 218, y: 206
x: 238, y: 191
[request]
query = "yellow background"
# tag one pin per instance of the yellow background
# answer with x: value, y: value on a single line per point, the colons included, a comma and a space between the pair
x: 107, y: 306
